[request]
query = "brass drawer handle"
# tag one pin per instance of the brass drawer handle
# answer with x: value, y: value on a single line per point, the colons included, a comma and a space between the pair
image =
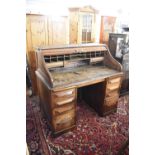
x: 65, y: 101
x: 61, y: 94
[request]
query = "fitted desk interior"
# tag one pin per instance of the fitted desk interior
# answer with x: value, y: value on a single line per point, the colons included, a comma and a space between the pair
x: 63, y: 71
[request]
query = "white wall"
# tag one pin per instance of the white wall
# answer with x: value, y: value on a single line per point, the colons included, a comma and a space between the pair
x: 105, y: 7
x: 57, y: 8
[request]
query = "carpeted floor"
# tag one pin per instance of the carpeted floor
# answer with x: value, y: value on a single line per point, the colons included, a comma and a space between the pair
x: 94, y: 135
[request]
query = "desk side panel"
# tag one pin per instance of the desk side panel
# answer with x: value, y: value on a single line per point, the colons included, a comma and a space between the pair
x: 43, y: 68
x: 45, y: 98
x: 111, y: 62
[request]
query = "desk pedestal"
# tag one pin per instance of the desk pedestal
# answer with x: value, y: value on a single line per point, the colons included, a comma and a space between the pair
x: 103, y: 96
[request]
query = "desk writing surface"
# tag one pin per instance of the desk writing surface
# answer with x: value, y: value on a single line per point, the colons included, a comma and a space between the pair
x: 79, y: 75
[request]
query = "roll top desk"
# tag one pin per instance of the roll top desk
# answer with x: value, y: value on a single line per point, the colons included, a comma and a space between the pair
x: 63, y: 70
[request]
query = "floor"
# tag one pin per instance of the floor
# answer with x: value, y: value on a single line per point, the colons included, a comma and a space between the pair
x: 93, y: 135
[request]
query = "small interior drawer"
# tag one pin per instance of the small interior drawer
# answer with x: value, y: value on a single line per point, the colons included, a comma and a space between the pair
x: 111, y: 100
x: 63, y: 109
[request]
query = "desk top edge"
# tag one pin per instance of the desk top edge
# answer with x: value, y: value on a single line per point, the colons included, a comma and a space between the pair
x: 70, y: 46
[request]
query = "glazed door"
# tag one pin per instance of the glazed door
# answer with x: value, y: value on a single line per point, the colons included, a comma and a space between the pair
x: 87, y: 23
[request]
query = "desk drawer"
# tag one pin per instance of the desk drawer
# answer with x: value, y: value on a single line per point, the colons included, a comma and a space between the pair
x: 113, y: 84
x: 63, y: 97
x: 64, y: 121
x: 64, y: 93
x: 63, y: 109
x: 111, y: 100
x: 112, y: 87
x: 114, y: 80
x: 112, y: 93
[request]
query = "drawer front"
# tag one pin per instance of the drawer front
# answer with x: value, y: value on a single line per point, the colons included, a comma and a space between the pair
x: 113, y: 84
x: 111, y: 100
x: 63, y: 97
x: 112, y: 93
x: 65, y: 125
x: 63, y: 109
x: 64, y: 121
x: 64, y: 93
x: 114, y: 80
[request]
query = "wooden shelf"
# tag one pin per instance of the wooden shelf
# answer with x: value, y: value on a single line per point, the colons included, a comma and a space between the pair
x: 60, y: 60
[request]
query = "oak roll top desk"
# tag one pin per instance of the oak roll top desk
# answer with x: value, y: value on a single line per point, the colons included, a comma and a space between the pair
x: 63, y: 70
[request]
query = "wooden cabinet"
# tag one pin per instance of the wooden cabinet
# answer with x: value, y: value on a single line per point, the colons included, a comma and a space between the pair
x: 36, y: 35
x: 107, y: 26
x: 43, y: 30
x: 82, y: 25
